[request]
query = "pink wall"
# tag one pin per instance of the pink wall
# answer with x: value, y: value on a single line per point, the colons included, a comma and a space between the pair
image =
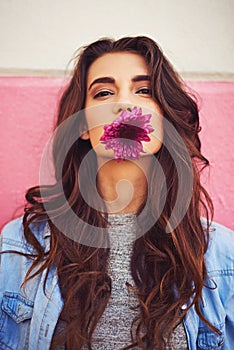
x: 27, y: 109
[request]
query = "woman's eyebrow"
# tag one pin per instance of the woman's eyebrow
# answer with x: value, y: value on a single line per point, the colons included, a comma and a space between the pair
x: 111, y: 80
x: 140, y: 78
x: 102, y: 80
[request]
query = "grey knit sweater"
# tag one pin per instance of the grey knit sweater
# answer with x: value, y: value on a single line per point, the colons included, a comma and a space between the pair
x: 113, y: 329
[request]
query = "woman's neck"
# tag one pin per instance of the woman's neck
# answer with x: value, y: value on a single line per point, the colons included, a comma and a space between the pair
x: 123, y: 185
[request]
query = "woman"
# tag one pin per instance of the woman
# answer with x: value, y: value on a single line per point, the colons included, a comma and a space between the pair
x: 162, y: 278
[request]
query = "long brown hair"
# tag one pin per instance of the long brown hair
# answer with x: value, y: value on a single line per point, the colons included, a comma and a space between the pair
x: 161, y: 262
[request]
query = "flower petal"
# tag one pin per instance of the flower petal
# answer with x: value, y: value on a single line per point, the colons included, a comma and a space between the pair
x: 125, y: 134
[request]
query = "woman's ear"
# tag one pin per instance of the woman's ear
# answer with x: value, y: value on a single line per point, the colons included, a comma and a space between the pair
x: 85, y: 136
x: 83, y: 129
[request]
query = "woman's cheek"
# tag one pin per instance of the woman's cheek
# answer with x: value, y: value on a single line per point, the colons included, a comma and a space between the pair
x: 95, y: 135
x: 156, y: 137
x: 153, y: 146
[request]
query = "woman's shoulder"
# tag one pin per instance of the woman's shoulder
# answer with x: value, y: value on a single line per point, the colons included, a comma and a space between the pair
x: 12, y: 235
x: 221, y: 237
x: 220, y: 252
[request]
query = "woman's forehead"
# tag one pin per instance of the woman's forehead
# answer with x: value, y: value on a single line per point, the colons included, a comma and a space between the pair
x: 117, y: 63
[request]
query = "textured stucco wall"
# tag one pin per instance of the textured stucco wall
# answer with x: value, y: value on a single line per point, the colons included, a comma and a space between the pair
x: 197, y: 35
x: 27, y: 110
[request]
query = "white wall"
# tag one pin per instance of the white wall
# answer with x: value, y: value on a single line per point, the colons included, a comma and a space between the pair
x: 197, y: 35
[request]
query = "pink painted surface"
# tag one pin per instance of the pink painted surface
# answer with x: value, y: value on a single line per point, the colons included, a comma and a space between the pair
x: 27, y: 110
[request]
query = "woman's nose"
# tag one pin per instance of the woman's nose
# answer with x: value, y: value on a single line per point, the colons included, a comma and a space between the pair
x: 119, y: 107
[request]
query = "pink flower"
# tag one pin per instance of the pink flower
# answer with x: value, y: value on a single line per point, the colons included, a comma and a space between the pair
x: 126, y: 133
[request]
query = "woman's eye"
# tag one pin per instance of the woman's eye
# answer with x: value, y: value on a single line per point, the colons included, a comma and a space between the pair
x: 103, y: 94
x: 145, y: 91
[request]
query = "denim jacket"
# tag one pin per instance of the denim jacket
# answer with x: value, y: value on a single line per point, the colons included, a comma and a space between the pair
x: 28, y: 316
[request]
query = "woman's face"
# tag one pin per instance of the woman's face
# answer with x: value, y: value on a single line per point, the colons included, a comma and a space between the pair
x: 118, y: 81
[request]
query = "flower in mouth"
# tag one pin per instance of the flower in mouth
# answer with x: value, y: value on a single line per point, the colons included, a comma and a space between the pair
x: 125, y: 134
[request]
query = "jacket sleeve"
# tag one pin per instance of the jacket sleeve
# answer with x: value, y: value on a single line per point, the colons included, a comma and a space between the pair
x: 16, y: 303
x: 220, y: 267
